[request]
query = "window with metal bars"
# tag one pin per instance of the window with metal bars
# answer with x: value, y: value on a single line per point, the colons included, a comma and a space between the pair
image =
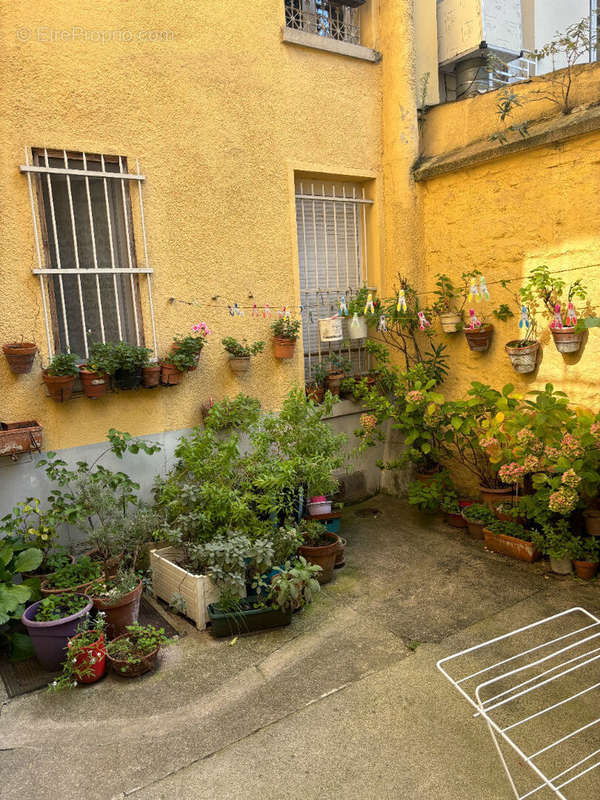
x: 323, y: 18
x: 87, y: 263
x: 331, y: 220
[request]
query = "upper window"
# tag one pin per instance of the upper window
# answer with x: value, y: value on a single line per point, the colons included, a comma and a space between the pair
x: 324, y: 18
x: 86, y: 249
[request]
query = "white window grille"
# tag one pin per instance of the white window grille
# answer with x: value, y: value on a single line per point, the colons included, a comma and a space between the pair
x: 332, y: 224
x: 324, y: 19
x: 88, y: 270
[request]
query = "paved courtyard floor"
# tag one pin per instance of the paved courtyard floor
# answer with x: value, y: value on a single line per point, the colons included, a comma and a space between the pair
x: 345, y: 703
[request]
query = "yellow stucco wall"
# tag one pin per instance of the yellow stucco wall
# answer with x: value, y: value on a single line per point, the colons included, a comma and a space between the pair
x: 220, y: 115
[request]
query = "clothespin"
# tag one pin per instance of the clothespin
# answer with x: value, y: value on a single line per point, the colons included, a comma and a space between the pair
x: 286, y: 313
x: 266, y: 311
x: 474, y: 323
x: 231, y: 311
x: 423, y: 321
x: 343, y: 306
x: 355, y: 323
x: 237, y: 311
x: 254, y: 310
x: 369, y: 308
x: 473, y: 290
x: 401, y: 304
x: 524, y: 321
x: 557, y: 321
x: 382, y: 326
x: 571, y: 319
x: 483, y: 289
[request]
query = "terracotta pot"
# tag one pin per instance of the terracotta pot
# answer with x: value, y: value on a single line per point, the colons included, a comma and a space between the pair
x: 334, y: 381
x: 561, y: 566
x: 151, y: 376
x: 592, y: 521
x: 455, y: 520
x: 479, y: 339
x: 95, y: 384
x: 585, y: 569
x: 493, y: 497
x: 523, y: 359
x: 60, y: 387
x: 175, y: 346
x: 315, y: 393
x: 81, y: 589
x: 283, y: 348
x: 450, y: 322
x: 511, y: 546
x: 427, y: 477
x: 323, y: 555
x: 122, y: 613
x: 170, y: 375
x: 127, y: 670
x: 340, y: 558
x: 92, y: 657
x: 239, y: 365
x: 20, y: 356
x: 475, y: 528
x: 566, y: 340
x: 20, y: 437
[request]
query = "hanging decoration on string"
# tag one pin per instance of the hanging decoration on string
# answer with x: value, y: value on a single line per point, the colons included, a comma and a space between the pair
x: 369, y: 307
x: 524, y: 321
x: 474, y: 320
x: 355, y: 323
x: 557, y: 321
x: 474, y: 291
x: 255, y: 310
x: 266, y: 311
x: 483, y: 289
x: 343, y: 306
x: 401, y: 304
x: 571, y: 318
x: 423, y: 321
x: 382, y: 326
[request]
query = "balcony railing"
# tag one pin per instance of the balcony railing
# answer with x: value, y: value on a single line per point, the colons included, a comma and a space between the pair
x: 323, y: 19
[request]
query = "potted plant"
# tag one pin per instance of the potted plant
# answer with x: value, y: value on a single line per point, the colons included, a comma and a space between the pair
x: 239, y: 353
x: 445, y: 304
x: 95, y: 374
x: 184, y: 355
x: 320, y: 547
x: 427, y: 497
x: 151, y: 376
x: 60, y: 375
x: 559, y: 545
x: 51, y: 622
x: 339, y: 367
x: 315, y: 390
x: 586, y: 555
x: 77, y: 577
x: 20, y: 356
x: 522, y: 352
x: 134, y: 652
x: 592, y: 521
x: 16, y: 559
x: 512, y: 539
x: 86, y: 655
x: 357, y: 315
x: 451, y: 506
x: 129, y: 361
x: 542, y: 287
x: 285, y: 333
x: 478, y: 516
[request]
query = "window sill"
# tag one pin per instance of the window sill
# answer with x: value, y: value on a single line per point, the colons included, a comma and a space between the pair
x: 315, y: 42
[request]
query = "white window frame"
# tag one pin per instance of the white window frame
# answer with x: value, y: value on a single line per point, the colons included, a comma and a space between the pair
x: 307, y: 20
x: 44, y: 170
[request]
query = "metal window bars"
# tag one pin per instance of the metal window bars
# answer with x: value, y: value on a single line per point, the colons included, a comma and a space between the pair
x: 332, y: 255
x: 86, y: 231
x: 537, y: 689
x: 324, y: 19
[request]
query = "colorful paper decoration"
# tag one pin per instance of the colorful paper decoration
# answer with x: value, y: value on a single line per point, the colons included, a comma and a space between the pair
x: 343, y: 306
x: 401, y: 304
x: 557, y: 321
x: 483, y: 289
x: 524, y: 321
x: 369, y: 307
x: 423, y: 321
x: 473, y: 290
x: 474, y: 321
x: 571, y: 318
x: 382, y: 326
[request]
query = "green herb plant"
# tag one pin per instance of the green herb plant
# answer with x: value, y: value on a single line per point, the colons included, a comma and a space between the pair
x: 80, y: 661
x: 140, y: 641
x: 295, y: 585
x: 64, y: 364
x: 72, y: 575
x: 241, y: 349
x: 59, y: 606
x: 286, y: 328
x: 479, y: 512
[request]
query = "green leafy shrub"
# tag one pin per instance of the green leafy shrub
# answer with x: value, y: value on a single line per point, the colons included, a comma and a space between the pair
x: 314, y: 533
x: 479, y: 512
x: 510, y: 529
x: 286, y: 328
x: 77, y: 574
x: 59, y: 606
x: 428, y: 497
x: 63, y: 364
x: 241, y: 350
x: 294, y: 585
x: 101, y: 358
x: 130, y: 357
x: 587, y: 548
x: 140, y: 641
x: 16, y: 557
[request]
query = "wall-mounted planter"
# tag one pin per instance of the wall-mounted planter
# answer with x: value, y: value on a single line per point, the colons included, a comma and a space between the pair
x: 20, y: 356
x: 566, y: 340
x: 450, y: 322
x: 239, y: 365
x: 128, y: 380
x: 151, y: 376
x: 20, y: 437
x: 479, y: 339
x: 511, y: 546
x: 95, y: 384
x: 358, y: 328
x: 331, y: 329
x: 283, y: 348
x: 60, y: 387
x: 523, y: 359
x: 170, y: 375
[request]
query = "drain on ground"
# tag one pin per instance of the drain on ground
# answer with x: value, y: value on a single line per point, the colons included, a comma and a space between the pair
x: 367, y: 512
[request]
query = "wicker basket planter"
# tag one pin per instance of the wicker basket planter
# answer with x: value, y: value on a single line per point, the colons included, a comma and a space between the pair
x: 523, y: 359
x: 20, y: 437
x: 168, y: 579
x: 511, y: 546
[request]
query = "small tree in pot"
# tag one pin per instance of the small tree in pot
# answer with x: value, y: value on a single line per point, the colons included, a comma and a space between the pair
x: 240, y: 353
x: 339, y: 368
x: 445, y: 305
x: 59, y: 376
x: 320, y: 547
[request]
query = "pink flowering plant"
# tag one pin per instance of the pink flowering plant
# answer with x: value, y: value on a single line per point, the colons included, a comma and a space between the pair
x: 186, y: 350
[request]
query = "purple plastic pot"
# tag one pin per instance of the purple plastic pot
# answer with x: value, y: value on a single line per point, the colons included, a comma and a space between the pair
x: 50, y: 639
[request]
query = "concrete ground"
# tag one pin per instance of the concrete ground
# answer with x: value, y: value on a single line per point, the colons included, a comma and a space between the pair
x: 345, y: 703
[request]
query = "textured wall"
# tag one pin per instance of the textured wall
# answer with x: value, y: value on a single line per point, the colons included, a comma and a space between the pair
x: 219, y: 114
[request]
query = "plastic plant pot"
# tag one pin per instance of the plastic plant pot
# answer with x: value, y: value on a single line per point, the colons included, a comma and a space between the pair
x: 50, y: 639
x: 124, y: 379
x: 246, y: 619
x: 124, y: 612
x: 91, y: 660
x: 319, y: 505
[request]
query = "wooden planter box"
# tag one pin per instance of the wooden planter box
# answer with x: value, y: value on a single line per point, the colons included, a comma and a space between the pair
x: 20, y: 437
x: 511, y: 546
x: 168, y: 579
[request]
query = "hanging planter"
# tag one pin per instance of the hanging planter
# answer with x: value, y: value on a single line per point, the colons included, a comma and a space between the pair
x: 19, y: 437
x: 450, y: 322
x: 523, y: 356
x: 60, y: 387
x: 479, y: 339
x: 358, y: 328
x: 20, y: 356
x: 331, y: 329
x: 95, y: 384
x: 170, y: 375
x: 239, y: 365
x: 566, y: 339
x: 151, y: 376
x: 283, y: 348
